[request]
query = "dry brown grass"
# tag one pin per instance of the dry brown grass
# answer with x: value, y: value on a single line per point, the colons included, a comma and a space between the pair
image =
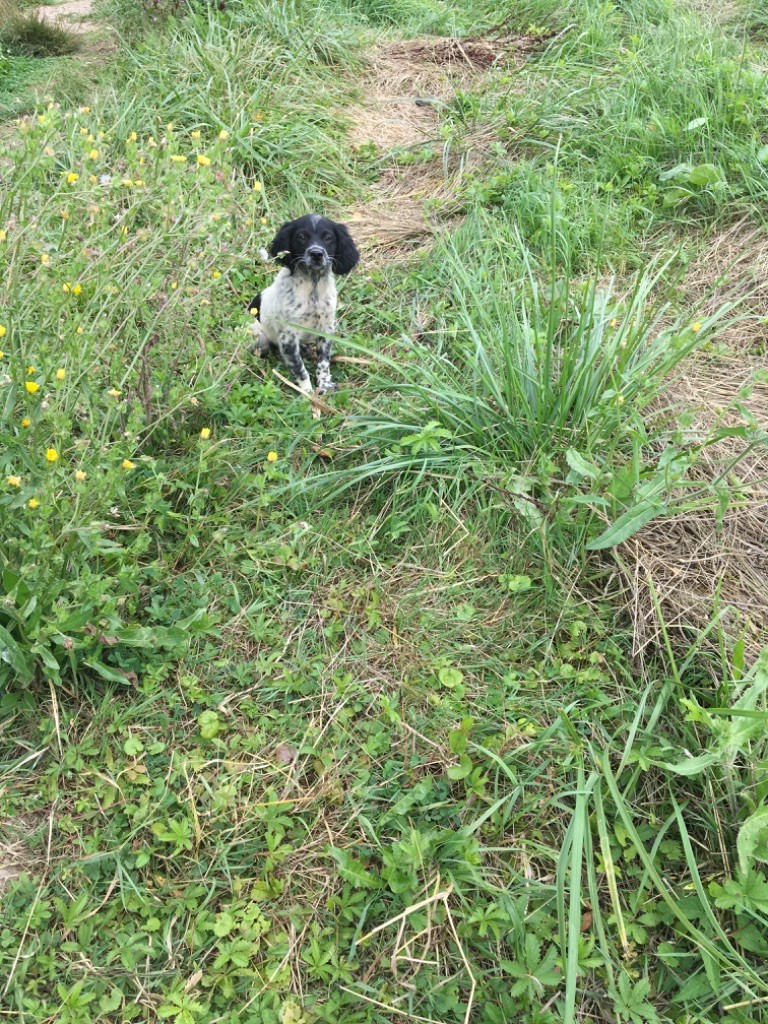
x: 399, y: 111
x: 697, y: 567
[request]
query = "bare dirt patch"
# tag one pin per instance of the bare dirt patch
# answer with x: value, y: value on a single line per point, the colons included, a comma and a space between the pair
x: 15, y: 854
x: 403, y: 94
x: 73, y: 15
x: 699, y: 567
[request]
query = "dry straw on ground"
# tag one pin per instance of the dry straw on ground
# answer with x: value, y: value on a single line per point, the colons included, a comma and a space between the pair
x: 697, y: 568
x: 407, y: 85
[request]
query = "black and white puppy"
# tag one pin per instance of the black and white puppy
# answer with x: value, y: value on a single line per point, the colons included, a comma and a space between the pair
x: 298, y: 310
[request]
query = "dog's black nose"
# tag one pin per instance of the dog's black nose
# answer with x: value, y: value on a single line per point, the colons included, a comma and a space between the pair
x: 316, y: 254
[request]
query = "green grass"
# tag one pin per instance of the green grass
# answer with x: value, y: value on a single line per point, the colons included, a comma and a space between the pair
x: 354, y: 734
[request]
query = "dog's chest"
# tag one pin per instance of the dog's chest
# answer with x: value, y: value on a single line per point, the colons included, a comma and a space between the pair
x: 307, y: 301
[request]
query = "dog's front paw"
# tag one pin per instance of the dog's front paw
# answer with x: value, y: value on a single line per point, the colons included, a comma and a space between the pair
x: 326, y: 388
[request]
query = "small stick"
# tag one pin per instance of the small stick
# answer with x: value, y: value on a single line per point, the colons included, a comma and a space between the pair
x: 318, y: 405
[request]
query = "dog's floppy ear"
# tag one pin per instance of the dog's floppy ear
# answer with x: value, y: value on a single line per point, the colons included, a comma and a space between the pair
x: 347, y: 256
x: 281, y: 243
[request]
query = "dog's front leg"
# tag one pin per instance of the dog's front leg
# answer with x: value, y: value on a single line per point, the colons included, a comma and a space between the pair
x: 289, y: 350
x: 324, y: 382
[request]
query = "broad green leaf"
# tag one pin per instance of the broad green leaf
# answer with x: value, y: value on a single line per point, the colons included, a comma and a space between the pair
x: 581, y: 465
x: 626, y: 525
x: 752, y: 842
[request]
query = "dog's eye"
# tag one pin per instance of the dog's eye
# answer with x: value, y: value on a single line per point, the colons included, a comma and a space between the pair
x: 327, y: 237
x: 301, y: 237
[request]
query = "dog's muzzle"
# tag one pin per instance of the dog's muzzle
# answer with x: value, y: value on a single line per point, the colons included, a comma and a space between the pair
x: 316, y: 257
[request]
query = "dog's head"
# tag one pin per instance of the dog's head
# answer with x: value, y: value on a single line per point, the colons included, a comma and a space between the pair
x: 316, y: 245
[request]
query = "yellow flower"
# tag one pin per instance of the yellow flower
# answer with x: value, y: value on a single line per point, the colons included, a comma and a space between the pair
x: 139, y: 182
x: 33, y: 503
x: 77, y: 290
x: 223, y: 135
x: 205, y: 433
x: 93, y: 155
x: 64, y: 214
x: 3, y: 236
x: 174, y: 285
x: 203, y: 161
x: 45, y: 259
x: 2, y: 354
x: 132, y: 137
x: 30, y: 371
x: 151, y: 143
x: 196, y: 135
x: 78, y: 330
x: 114, y: 392
x: 31, y: 387
x: 127, y: 182
x: 80, y: 475
x: 216, y: 275
x: 61, y: 374
x: 72, y: 178
x: 3, y: 331
x: 26, y: 421
x: 66, y: 287
x: 169, y: 126
x: 14, y: 481
x: 257, y: 186
x: 696, y: 328
x: 264, y: 220
x: 178, y: 158
x: 83, y: 110
x: 271, y: 456
x: 91, y: 138
x: 614, y: 322
x: 127, y: 464
x: 51, y: 455
x: 83, y: 131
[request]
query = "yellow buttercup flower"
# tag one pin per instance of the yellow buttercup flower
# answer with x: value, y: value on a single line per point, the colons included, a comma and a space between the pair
x: 72, y: 178
x: 174, y: 285
x: 3, y: 236
x: 216, y: 275
x: 66, y: 287
x: 78, y: 330
x: 26, y: 421
x: 114, y: 392
x: 31, y: 370
x: 31, y: 386
x: 2, y: 354
x: 64, y: 214
x: 45, y: 259
x: 196, y: 135
x: 257, y: 186
x: 271, y: 456
x: 178, y: 158
x: 83, y: 110
x: 93, y: 155
x: 264, y: 220
x: 696, y: 328
x: 51, y: 455
x: 203, y: 161
x: 61, y: 374
x: 205, y: 433
x: 127, y: 464
x: 33, y: 503
x: 80, y: 475
x: 77, y: 290
x: 223, y: 135
x: 14, y: 481
x: 3, y: 331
